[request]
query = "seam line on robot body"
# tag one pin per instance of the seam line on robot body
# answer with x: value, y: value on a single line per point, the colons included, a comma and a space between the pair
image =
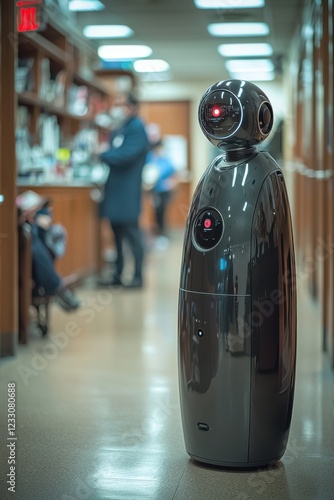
x: 216, y: 293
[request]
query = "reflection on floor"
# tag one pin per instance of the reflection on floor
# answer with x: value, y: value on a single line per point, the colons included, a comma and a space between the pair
x: 98, y: 411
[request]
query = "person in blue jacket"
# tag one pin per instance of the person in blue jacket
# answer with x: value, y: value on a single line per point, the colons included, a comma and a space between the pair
x: 121, y: 203
x: 164, y: 174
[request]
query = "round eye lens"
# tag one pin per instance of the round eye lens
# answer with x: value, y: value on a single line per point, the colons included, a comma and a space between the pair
x: 220, y: 114
x: 265, y: 118
x: 216, y: 111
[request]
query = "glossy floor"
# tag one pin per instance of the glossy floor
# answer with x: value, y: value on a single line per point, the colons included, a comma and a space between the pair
x: 98, y: 411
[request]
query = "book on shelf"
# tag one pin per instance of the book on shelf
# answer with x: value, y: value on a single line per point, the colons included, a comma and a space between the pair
x: 78, y: 100
x: 24, y: 77
x: 49, y: 134
x: 45, y: 77
x: 58, y: 87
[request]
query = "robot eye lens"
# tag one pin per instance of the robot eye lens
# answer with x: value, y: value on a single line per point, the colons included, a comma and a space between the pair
x: 220, y: 114
x: 216, y: 111
x: 265, y: 118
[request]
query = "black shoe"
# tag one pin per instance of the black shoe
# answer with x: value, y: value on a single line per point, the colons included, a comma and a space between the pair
x: 135, y: 283
x: 116, y: 282
x: 67, y: 299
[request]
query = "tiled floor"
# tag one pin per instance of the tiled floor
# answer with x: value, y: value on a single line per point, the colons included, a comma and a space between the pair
x: 98, y: 411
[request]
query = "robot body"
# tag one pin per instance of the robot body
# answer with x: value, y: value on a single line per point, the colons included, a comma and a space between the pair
x: 237, y: 309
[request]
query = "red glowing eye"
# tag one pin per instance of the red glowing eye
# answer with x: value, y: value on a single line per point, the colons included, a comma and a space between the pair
x: 216, y: 111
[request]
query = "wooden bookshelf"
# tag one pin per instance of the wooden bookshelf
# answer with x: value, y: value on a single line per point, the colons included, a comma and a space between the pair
x: 35, y: 42
x: 54, y: 80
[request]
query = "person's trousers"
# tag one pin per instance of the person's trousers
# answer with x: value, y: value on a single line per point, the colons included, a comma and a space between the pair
x: 44, y: 275
x: 131, y: 234
x: 160, y: 201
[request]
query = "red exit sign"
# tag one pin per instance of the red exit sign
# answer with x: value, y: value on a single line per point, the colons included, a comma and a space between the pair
x: 29, y: 15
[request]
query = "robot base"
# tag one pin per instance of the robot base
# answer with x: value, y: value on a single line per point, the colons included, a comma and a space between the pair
x: 236, y: 465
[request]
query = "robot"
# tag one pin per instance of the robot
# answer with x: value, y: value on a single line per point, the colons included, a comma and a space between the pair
x: 237, y: 300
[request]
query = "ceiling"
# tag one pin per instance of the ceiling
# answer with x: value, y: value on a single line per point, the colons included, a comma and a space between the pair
x: 177, y: 32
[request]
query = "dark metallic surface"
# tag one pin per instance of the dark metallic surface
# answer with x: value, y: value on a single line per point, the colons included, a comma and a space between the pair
x: 237, y: 323
x: 246, y: 119
x: 234, y: 191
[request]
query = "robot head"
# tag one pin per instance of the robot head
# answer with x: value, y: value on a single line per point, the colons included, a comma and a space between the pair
x: 235, y: 115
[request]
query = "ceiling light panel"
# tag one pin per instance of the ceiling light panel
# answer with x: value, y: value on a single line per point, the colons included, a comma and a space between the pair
x: 254, y: 76
x: 123, y: 52
x: 228, y: 4
x: 245, y: 50
x: 150, y: 66
x: 85, y: 5
x: 155, y: 77
x: 254, y: 65
x: 238, y: 29
x: 107, y: 31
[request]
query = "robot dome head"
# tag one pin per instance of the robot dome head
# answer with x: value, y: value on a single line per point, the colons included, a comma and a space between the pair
x: 235, y: 115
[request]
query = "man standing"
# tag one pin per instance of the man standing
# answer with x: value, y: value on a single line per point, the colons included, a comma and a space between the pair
x: 122, y: 192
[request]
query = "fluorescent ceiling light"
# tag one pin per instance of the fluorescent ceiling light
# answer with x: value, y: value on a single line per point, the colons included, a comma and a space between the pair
x: 245, y: 49
x: 85, y: 5
x: 155, y: 77
x: 150, y: 65
x: 123, y: 52
x: 107, y: 31
x: 238, y: 29
x: 254, y: 65
x: 228, y: 4
x: 253, y: 76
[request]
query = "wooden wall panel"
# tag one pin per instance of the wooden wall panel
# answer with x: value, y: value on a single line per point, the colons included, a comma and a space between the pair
x: 325, y: 155
x: 329, y: 290
x: 8, y: 217
x: 77, y: 212
x: 0, y: 176
x: 173, y: 118
x: 314, y: 182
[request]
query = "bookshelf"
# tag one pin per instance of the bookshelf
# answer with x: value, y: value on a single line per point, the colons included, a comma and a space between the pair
x: 52, y: 90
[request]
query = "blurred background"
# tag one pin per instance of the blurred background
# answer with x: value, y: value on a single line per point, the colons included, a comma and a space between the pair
x: 62, y: 62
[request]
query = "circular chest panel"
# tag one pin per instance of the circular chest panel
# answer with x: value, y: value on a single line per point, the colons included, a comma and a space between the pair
x: 208, y: 229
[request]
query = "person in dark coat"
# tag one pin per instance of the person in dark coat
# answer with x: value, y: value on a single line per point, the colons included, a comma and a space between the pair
x: 121, y: 203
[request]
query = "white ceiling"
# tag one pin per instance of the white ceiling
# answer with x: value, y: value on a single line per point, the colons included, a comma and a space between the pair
x: 177, y: 31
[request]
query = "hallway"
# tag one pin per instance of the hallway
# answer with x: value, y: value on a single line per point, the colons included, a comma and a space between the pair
x: 98, y: 410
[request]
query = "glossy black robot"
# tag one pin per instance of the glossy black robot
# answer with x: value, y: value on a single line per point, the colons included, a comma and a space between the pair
x: 237, y: 299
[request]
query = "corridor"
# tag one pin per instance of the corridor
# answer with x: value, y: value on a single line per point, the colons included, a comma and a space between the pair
x: 98, y: 411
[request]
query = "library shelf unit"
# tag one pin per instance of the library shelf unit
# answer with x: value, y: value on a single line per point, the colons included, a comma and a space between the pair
x: 49, y: 81
x: 56, y: 89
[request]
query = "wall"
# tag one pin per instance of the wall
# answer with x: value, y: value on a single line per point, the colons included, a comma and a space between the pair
x: 8, y: 220
x: 309, y: 153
